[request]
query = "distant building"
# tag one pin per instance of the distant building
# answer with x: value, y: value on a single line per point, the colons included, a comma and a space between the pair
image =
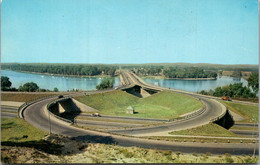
x: 130, y: 110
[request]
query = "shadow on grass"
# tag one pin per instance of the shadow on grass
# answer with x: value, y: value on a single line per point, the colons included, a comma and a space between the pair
x: 41, y: 145
x: 95, y: 139
x: 56, y: 149
x: 7, y: 125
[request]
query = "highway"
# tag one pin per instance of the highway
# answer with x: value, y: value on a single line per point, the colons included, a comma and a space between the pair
x: 140, y: 82
x: 37, y: 116
x: 213, y: 110
x: 8, y: 112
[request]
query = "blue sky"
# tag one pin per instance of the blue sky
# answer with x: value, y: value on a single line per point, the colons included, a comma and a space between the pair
x: 130, y: 31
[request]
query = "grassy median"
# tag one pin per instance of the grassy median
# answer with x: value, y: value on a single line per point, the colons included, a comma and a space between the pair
x: 163, y: 105
x: 206, y: 130
x: 17, y: 130
x: 23, y: 97
x: 250, y: 112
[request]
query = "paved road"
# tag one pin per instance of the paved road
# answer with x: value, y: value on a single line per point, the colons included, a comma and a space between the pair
x: 248, y: 133
x: 106, y: 124
x: 8, y: 115
x: 139, y: 81
x: 8, y: 112
x: 36, y: 116
x: 125, y: 118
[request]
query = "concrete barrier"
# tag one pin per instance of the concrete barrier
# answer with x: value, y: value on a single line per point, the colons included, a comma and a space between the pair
x: 55, y: 103
x: 190, y: 115
x: 67, y: 104
x: 222, y: 114
x: 83, y: 107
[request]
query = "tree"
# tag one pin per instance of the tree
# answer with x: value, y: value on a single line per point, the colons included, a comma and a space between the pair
x: 56, y: 90
x: 253, y: 82
x: 106, y: 83
x: 29, y: 87
x: 5, y: 83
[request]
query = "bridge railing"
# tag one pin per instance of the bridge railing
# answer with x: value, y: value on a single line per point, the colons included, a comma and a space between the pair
x: 219, y: 117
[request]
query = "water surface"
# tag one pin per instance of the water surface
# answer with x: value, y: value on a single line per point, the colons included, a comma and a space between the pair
x: 194, y: 85
x: 63, y: 83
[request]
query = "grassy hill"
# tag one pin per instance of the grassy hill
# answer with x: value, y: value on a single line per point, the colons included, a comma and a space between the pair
x: 163, y: 105
x: 206, y: 130
x: 250, y: 112
x: 24, y: 97
x: 110, y: 102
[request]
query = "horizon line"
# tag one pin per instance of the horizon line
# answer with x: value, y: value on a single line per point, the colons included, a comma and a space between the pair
x: 120, y: 63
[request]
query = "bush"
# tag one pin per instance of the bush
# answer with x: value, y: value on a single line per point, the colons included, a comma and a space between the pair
x: 106, y: 83
x: 29, y: 87
x: 232, y: 90
x: 229, y: 160
x: 56, y: 90
x: 5, y: 83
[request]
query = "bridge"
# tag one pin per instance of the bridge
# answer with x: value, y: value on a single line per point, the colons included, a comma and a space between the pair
x: 133, y: 86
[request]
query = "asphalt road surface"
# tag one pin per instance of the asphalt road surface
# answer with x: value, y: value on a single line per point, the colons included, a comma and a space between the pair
x: 36, y: 116
x: 8, y: 112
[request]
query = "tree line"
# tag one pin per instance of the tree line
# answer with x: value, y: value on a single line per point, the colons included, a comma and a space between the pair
x: 174, y: 72
x: 63, y: 69
x: 191, y: 72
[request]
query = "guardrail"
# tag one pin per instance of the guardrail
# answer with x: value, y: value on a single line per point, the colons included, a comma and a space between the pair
x: 190, y: 116
x: 26, y: 104
x: 56, y: 116
x: 219, y: 117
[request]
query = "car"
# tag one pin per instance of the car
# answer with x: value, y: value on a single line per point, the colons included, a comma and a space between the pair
x: 226, y: 98
x: 60, y: 96
x: 95, y: 115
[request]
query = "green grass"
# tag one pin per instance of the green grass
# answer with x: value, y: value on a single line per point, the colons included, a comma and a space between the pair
x: 110, y: 102
x: 163, y: 105
x: 250, y: 112
x: 206, y: 130
x: 16, y: 132
x: 23, y: 97
x: 13, y: 130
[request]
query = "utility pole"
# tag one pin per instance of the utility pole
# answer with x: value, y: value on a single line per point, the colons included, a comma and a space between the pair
x: 253, y: 137
x: 49, y: 121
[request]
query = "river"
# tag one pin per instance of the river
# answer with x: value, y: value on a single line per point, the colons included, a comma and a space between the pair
x: 195, y: 85
x: 64, y: 83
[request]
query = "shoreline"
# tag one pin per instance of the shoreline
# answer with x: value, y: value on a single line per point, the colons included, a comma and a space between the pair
x: 162, y: 77
x: 61, y: 75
